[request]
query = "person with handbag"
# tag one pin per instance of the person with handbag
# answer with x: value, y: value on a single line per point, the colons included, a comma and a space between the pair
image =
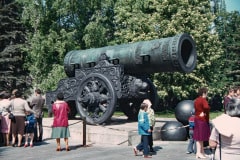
x: 18, y: 107
x: 5, y: 121
x: 225, y: 135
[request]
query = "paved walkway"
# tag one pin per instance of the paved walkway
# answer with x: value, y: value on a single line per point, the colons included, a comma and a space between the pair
x: 46, y: 150
x: 165, y: 150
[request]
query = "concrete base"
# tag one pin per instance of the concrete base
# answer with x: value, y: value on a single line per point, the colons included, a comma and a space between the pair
x: 134, y: 137
x: 119, y: 132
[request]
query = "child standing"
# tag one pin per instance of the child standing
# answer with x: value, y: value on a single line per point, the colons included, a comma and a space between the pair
x: 151, y: 118
x: 191, y: 145
x: 143, y: 130
x: 30, y: 124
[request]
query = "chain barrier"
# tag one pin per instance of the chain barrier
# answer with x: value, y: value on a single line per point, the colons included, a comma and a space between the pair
x: 157, y: 130
x: 164, y: 130
x: 68, y: 125
x: 122, y: 129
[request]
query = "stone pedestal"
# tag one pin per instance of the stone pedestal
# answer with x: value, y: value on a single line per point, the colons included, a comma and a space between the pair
x: 134, y: 138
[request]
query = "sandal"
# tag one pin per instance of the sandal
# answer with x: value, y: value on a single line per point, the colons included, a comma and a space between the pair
x: 58, y: 149
x: 135, y: 151
x: 67, y: 149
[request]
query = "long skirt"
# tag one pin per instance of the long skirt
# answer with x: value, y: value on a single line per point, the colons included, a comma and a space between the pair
x: 201, y: 130
x: 60, y: 132
x: 18, y: 126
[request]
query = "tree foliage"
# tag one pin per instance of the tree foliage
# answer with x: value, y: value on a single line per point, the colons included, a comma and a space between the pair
x: 12, y: 37
x: 56, y: 27
x: 228, y: 28
x: 48, y: 39
x: 149, y: 19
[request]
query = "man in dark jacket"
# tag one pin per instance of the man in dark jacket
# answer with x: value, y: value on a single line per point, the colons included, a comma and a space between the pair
x: 37, y: 105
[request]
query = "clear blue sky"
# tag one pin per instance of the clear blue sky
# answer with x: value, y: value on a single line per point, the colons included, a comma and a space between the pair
x: 232, y: 5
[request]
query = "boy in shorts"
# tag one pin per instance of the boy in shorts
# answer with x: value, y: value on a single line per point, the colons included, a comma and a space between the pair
x: 30, y: 126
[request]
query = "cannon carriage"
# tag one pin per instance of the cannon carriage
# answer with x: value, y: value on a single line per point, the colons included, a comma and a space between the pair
x: 100, y: 79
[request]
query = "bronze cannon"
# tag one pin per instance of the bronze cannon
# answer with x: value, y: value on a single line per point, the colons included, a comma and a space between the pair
x: 101, y: 79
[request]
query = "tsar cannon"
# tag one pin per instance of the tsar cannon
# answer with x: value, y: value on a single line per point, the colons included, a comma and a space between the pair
x: 100, y: 79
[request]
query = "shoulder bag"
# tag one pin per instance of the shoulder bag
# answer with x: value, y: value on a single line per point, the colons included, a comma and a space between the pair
x: 11, y: 115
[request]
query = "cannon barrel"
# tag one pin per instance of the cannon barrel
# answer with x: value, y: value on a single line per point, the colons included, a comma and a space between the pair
x: 171, y: 54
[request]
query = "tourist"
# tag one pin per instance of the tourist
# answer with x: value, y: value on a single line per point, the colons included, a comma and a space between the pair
x: 5, y: 121
x: 37, y: 104
x: 151, y: 118
x: 18, y: 107
x: 202, y: 127
x: 60, y: 121
x: 144, y: 130
x: 225, y: 135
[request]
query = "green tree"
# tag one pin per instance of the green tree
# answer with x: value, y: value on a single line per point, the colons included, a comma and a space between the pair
x: 228, y: 27
x: 12, y: 37
x: 56, y: 27
x: 150, y: 19
x: 48, y: 40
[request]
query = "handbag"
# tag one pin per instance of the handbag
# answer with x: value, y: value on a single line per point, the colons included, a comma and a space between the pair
x: 11, y: 116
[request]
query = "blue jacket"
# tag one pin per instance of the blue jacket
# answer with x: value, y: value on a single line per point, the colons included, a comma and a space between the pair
x: 31, y: 121
x: 143, y: 123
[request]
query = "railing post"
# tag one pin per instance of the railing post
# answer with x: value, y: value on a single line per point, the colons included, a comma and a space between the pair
x: 84, y: 131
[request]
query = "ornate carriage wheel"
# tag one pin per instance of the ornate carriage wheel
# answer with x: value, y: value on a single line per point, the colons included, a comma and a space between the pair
x: 96, y: 98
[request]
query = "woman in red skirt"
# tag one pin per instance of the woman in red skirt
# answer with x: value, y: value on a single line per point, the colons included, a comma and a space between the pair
x: 202, y: 127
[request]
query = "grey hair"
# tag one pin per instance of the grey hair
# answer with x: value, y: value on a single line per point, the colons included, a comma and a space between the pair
x: 233, y: 107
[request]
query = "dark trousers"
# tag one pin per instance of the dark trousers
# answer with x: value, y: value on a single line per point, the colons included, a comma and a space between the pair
x: 38, y: 131
x: 143, y: 145
x: 150, y: 141
x: 150, y: 138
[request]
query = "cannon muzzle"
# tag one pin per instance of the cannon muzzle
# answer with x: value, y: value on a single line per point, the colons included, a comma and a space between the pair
x: 172, y: 54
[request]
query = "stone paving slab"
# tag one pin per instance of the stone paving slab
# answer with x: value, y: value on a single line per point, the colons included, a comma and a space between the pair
x: 113, y: 133
x: 165, y: 150
x: 118, y: 131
